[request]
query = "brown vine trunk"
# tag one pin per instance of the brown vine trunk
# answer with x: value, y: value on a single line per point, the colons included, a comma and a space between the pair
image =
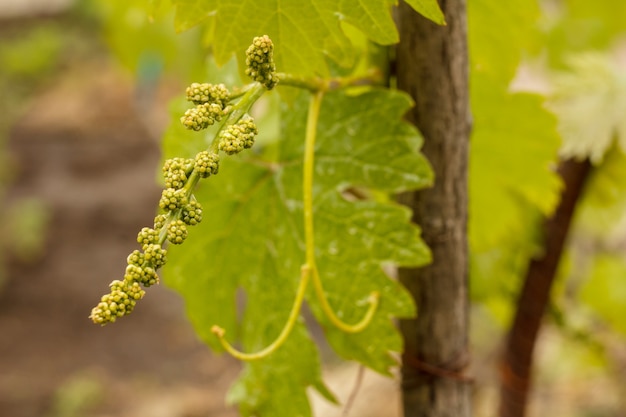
x: 432, y: 66
x: 515, y: 370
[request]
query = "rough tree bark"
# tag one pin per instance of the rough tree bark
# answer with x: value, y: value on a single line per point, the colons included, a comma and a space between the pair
x: 432, y: 66
x: 515, y: 369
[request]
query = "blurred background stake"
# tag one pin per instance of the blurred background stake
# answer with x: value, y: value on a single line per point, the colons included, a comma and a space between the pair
x: 517, y: 360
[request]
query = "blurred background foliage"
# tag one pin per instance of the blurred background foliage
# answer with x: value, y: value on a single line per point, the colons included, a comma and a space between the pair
x: 27, y: 60
x: 548, y: 81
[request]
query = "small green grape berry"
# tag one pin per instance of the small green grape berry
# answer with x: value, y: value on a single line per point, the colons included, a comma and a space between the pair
x: 147, y: 236
x: 159, y: 221
x: 202, y: 116
x: 176, y: 232
x: 237, y: 137
x: 207, y: 164
x: 175, y: 172
x: 208, y: 93
x: 229, y: 143
x: 260, y: 62
x: 155, y: 255
x: 192, y: 213
x: 171, y: 199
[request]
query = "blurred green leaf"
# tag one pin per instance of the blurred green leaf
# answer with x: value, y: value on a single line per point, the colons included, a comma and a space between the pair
x: 590, y: 102
x: 603, y: 204
x: 514, y: 149
x: 305, y: 33
x: 499, y: 33
x: 77, y: 395
x: 32, y: 54
x: 144, y: 40
x: 572, y: 26
x: 26, y: 222
x: 605, y: 290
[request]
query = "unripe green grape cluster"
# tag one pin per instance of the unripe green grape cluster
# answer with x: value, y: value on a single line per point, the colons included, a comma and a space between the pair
x: 176, y: 232
x: 175, y: 171
x: 172, y: 199
x: 135, y: 258
x: 154, y: 254
x: 192, y: 213
x: 147, y: 236
x: 260, y: 62
x: 120, y: 301
x: 211, y: 102
x: 141, y: 269
x: 179, y: 206
x: 202, y: 116
x: 207, y: 164
x: 159, y: 221
x: 199, y: 93
x: 237, y: 137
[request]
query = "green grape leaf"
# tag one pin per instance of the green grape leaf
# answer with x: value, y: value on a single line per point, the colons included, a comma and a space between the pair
x: 429, y: 9
x: 514, y: 146
x: 304, y: 33
x: 155, y: 46
x: 582, y: 25
x: 590, y: 102
x: 605, y: 291
x: 498, y: 33
x: 250, y: 247
x: 190, y: 13
x: 512, y: 184
x: 513, y: 153
x: 603, y: 205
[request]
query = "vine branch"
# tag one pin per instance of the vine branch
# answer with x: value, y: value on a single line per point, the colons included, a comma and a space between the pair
x: 318, y: 84
x: 516, y: 363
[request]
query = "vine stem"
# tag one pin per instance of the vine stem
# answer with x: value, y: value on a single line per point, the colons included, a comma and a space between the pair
x: 316, y: 84
x: 252, y: 94
x: 307, y: 190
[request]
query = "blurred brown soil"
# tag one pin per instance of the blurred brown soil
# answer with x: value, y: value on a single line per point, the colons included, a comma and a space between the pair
x: 85, y: 151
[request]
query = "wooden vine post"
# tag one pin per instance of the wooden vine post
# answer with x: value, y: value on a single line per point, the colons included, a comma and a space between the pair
x: 432, y: 66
